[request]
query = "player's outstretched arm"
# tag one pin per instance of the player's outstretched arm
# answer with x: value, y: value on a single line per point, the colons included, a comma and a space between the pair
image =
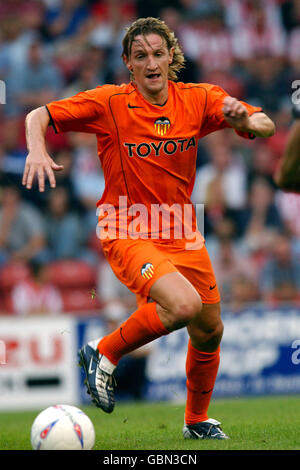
x: 38, y: 162
x: 287, y: 175
x: 236, y: 114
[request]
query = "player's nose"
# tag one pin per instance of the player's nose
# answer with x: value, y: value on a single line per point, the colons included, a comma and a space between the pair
x: 151, y: 64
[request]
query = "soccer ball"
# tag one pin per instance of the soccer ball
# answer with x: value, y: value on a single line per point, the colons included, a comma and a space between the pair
x: 62, y: 427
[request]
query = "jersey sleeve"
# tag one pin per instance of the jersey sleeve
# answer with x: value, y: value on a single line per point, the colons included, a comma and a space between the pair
x: 83, y: 112
x: 214, y: 119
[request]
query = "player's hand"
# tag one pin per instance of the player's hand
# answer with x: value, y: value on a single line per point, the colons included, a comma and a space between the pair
x: 40, y: 165
x: 235, y: 113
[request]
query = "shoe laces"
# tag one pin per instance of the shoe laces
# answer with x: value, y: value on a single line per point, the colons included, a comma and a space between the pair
x: 104, y: 380
x: 219, y: 430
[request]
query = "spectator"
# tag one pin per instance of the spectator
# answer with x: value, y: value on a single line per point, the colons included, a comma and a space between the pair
x: 244, y: 292
x: 172, y: 16
x: 280, y: 278
x: 293, y: 49
x: 290, y: 13
x: 64, y: 178
x: 206, y: 41
x: 64, y: 230
x: 86, y: 80
x: 224, y: 230
x: 110, y: 19
x: 36, y: 295
x: 154, y: 7
x: 14, y: 46
x: 87, y: 178
x: 22, y: 236
x: 16, y: 33
x: 226, y: 79
x: 278, y: 143
x: 260, y: 216
x: 215, y: 208
x: 115, y: 296
x: 262, y: 165
x: 288, y: 205
x: 226, y: 167
x: 239, y: 14
x: 229, y: 261
x: 264, y: 81
x: 13, y: 150
x: 91, y: 71
x: 258, y: 35
x: 38, y: 81
x: 215, y: 49
x: 64, y: 19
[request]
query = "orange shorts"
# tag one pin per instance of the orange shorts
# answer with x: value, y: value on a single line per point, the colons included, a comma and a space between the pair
x: 140, y: 263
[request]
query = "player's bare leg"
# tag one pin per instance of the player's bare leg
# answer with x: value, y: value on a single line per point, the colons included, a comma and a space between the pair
x: 177, y: 301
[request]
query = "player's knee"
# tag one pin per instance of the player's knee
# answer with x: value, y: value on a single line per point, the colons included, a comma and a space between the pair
x: 185, y: 309
x: 212, y: 337
x: 216, y: 334
x: 207, y: 338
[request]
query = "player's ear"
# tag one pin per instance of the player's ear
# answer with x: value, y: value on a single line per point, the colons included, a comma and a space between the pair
x: 127, y: 63
x: 171, y: 55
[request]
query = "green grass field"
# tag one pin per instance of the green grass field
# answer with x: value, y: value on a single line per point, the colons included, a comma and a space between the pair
x: 270, y: 423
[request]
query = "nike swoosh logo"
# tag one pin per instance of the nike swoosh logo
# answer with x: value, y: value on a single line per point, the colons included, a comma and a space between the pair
x: 132, y: 107
x: 212, y: 287
x: 206, y: 391
x: 199, y: 435
x: 91, y: 371
x: 122, y: 336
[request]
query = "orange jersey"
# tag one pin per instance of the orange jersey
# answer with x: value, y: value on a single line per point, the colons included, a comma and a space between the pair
x: 147, y: 152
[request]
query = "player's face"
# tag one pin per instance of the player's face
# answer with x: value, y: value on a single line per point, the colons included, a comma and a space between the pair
x: 149, y: 62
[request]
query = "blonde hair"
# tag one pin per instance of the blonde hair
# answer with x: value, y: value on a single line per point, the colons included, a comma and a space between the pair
x: 150, y: 25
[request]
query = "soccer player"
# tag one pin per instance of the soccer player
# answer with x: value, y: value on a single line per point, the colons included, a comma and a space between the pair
x: 147, y: 132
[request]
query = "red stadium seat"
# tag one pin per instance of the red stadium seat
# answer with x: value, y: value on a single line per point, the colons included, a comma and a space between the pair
x: 3, y: 309
x: 12, y: 273
x: 72, y: 273
x: 8, y: 304
x: 80, y: 301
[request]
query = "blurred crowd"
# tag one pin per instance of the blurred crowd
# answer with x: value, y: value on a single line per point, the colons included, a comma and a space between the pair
x: 50, y: 258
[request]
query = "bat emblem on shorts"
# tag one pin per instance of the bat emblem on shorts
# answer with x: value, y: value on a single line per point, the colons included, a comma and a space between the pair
x: 147, y: 270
